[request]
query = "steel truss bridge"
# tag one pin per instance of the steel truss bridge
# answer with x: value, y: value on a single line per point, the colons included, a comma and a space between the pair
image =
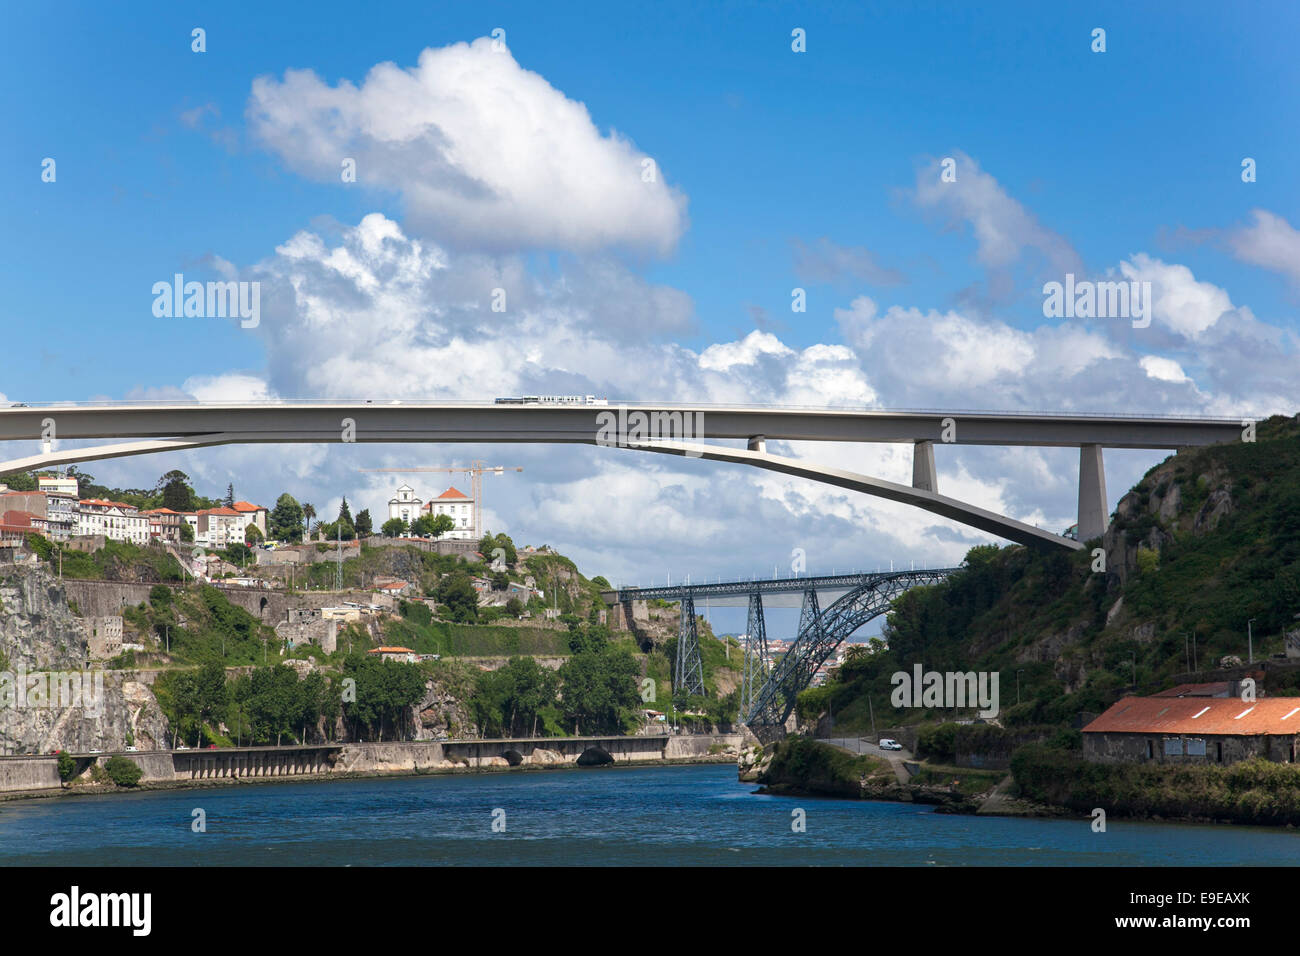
x: 767, y: 697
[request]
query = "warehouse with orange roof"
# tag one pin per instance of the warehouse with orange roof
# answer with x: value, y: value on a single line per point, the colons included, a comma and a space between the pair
x: 1192, y: 729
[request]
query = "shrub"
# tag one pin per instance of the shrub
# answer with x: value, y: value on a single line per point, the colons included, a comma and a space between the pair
x: 123, y: 772
x: 66, y: 765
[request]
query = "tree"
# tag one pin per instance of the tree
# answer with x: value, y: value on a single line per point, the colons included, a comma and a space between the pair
x: 599, y: 683
x: 176, y: 491
x: 230, y: 495
x: 456, y: 591
x: 394, y: 527
x: 345, y: 513
x: 187, y: 532
x: 365, y: 527
x: 500, y: 581
x: 252, y: 535
x: 286, y: 519
x: 308, y: 514
x: 490, y: 544
x: 515, y: 607
x: 123, y: 771
x: 442, y: 523
x: 422, y: 526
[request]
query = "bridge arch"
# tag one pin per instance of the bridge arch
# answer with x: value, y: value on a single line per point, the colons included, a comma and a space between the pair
x: 595, y: 756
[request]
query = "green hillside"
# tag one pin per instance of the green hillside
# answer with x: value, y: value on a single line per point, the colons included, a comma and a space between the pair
x: 1207, y: 540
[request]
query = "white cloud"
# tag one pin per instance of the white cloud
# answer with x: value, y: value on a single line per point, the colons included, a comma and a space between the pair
x: 1182, y: 304
x: 1163, y: 369
x: 1270, y: 242
x: 1004, y: 229
x: 483, y: 152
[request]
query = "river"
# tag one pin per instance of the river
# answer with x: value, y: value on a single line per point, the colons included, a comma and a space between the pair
x: 659, y: 816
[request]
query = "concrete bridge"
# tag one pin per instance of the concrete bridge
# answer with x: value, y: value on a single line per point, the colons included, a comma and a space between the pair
x: 159, y: 427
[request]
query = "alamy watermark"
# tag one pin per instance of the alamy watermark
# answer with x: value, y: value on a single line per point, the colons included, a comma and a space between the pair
x: 55, y: 690
x: 923, y: 688
x: 626, y: 428
x: 1098, y: 300
x: 211, y: 300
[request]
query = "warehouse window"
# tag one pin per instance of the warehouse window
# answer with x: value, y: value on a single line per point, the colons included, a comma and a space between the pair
x: 1173, y: 746
x: 1195, y: 747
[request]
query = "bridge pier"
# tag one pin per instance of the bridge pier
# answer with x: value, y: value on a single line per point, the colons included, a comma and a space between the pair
x: 923, y: 473
x: 757, y: 443
x: 1094, y: 516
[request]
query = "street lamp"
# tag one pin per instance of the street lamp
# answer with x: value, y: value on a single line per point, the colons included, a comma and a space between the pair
x: 1250, y: 642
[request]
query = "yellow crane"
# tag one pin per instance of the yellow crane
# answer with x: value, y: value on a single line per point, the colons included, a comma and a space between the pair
x: 476, y: 470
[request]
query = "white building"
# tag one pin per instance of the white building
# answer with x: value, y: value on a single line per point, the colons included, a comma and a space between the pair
x: 63, y: 486
x: 251, y: 514
x: 220, y: 527
x: 460, y: 508
x: 61, y: 510
x: 405, y: 505
x: 115, y: 520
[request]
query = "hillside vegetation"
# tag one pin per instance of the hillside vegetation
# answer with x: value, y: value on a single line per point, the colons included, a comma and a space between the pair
x: 1207, y: 540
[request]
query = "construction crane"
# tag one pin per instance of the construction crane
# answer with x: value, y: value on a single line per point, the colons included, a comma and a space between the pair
x: 476, y: 471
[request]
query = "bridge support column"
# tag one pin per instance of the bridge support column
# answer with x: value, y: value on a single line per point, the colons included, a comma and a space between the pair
x: 755, y: 672
x: 923, y: 473
x: 1093, y: 513
x: 688, y: 677
x: 757, y: 443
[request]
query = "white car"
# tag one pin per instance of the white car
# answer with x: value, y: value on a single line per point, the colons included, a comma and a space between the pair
x: 887, y: 744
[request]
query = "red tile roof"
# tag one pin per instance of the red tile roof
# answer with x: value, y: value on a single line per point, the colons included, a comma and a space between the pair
x: 1199, y: 715
x: 391, y: 650
x: 223, y: 510
x: 106, y: 504
x: 247, y: 506
x: 453, y: 493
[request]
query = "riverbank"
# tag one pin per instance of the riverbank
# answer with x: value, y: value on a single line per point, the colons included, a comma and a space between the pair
x: 95, y: 789
x: 22, y: 777
x: 1044, y: 782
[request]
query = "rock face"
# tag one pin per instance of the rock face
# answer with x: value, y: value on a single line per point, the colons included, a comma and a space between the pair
x: 439, y: 714
x: 49, y: 698
x: 37, y: 628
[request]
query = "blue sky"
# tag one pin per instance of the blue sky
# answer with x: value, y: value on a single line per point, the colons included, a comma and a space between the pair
x: 1127, y: 157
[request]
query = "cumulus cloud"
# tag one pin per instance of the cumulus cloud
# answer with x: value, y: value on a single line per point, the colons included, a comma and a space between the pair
x: 1005, y: 231
x: 1270, y: 242
x: 483, y: 153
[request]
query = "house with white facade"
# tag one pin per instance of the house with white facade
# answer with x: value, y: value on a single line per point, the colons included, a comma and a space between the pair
x: 115, y: 520
x: 252, y: 514
x: 219, y: 528
x: 62, y: 486
x: 460, y: 507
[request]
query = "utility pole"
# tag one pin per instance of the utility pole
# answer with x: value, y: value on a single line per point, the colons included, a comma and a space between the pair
x: 1250, y: 642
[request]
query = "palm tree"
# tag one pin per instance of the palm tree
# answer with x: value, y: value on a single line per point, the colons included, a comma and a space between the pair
x: 308, y: 512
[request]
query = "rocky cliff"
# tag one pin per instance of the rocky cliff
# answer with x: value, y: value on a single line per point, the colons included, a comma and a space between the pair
x: 50, y: 699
